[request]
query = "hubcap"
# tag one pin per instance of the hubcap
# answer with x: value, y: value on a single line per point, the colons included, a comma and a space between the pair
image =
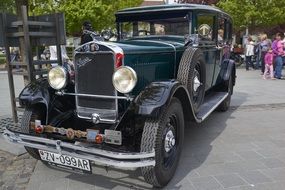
x: 197, y: 83
x: 169, y: 142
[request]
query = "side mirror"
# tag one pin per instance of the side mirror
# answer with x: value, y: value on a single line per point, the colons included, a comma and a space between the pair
x: 107, y: 35
x: 192, y: 39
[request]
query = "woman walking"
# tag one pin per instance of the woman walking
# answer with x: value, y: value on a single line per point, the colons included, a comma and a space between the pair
x: 264, y: 47
x: 249, y: 53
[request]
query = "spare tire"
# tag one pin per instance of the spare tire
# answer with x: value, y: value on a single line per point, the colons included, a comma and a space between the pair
x: 192, y: 74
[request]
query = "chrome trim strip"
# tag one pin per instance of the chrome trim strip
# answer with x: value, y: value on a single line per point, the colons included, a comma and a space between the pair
x: 61, y: 93
x: 110, y: 158
x: 107, y: 121
x: 214, y: 107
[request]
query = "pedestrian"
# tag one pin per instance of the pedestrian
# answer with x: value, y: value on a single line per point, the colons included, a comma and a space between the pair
x: 265, y: 44
x: 277, y: 48
x: 268, y: 67
x: 249, y: 52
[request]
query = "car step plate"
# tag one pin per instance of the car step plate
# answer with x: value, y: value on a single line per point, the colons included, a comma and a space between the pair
x: 65, y: 161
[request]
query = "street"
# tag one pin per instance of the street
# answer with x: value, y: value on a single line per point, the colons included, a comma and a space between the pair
x: 243, y: 148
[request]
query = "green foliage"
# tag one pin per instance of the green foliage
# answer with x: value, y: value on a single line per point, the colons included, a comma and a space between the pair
x: 99, y: 12
x: 2, y: 58
x: 7, y: 6
x: 252, y: 13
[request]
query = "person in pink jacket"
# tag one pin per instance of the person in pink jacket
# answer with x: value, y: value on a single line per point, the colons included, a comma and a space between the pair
x: 279, y: 53
x: 268, y: 59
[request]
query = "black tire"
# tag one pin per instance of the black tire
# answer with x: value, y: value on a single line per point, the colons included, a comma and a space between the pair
x: 191, y: 66
x: 154, y: 137
x: 28, y: 116
x: 224, y: 106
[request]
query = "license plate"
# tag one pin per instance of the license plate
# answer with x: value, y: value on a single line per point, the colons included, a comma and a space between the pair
x: 69, y: 162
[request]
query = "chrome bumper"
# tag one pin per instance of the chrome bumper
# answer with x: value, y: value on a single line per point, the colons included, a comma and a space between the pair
x: 98, y: 156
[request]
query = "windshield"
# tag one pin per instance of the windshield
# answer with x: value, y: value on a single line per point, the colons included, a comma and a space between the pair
x: 171, y: 26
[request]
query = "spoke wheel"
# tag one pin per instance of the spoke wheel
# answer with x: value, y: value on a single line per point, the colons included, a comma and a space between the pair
x: 165, y: 135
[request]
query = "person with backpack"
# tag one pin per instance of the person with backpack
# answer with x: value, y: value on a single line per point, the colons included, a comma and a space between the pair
x: 277, y: 48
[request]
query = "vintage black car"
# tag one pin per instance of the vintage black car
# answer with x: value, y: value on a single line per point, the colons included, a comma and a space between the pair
x: 128, y: 103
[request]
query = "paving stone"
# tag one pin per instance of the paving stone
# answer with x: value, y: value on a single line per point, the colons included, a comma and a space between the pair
x: 230, y: 180
x: 205, y: 183
x: 255, y: 177
x: 22, y: 180
x: 279, y: 143
x: 267, y: 153
x: 277, y: 174
x: 273, y: 163
x: 249, y: 165
x: 250, y: 155
x: 209, y: 170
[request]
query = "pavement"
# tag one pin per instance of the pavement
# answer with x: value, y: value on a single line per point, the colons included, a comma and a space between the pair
x: 241, y: 149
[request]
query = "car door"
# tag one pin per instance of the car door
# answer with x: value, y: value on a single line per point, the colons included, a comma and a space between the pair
x: 223, y: 43
x: 205, y: 28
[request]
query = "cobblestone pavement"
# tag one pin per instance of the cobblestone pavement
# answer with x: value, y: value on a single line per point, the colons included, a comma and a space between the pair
x: 15, y: 171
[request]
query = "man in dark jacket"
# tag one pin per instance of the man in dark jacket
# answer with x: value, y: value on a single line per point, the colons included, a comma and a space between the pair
x: 85, y: 37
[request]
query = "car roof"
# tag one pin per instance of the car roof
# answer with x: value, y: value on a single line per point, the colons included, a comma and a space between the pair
x: 170, y: 8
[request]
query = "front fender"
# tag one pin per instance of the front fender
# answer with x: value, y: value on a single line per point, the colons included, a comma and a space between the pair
x: 157, y: 95
x: 228, y: 69
x: 35, y: 93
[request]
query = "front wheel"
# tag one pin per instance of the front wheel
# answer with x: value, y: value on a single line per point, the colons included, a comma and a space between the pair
x: 165, y: 135
x: 28, y: 116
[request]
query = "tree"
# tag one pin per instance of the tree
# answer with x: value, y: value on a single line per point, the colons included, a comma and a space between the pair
x: 254, y: 13
x: 7, y: 6
x: 99, y: 12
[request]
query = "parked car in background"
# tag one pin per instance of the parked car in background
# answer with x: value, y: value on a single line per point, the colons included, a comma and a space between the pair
x: 129, y: 101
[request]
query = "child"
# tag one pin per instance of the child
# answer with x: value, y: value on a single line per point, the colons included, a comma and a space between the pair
x: 268, y: 59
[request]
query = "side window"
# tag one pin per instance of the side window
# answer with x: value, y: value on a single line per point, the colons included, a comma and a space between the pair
x: 205, y: 26
x: 229, y: 31
x: 221, y: 30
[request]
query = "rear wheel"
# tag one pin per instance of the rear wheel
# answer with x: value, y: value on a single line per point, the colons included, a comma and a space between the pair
x: 165, y: 135
x: 28, y: 116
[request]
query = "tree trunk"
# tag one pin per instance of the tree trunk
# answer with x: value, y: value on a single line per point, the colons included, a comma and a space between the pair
x: 19, y: 4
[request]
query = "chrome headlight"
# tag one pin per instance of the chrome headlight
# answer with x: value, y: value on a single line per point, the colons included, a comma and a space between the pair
x: 57, y: 77
x: 124, y: 79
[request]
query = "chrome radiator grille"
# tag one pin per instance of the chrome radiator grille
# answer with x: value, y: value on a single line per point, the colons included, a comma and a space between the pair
x: 94, y: 76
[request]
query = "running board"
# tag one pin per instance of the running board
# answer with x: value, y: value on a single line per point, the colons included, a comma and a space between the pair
x: 211, y: 102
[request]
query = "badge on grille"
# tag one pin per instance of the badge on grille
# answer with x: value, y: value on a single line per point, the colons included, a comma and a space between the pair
x: 83, y: 61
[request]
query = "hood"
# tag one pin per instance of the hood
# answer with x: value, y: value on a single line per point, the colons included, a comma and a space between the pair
x: 153, y: 44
